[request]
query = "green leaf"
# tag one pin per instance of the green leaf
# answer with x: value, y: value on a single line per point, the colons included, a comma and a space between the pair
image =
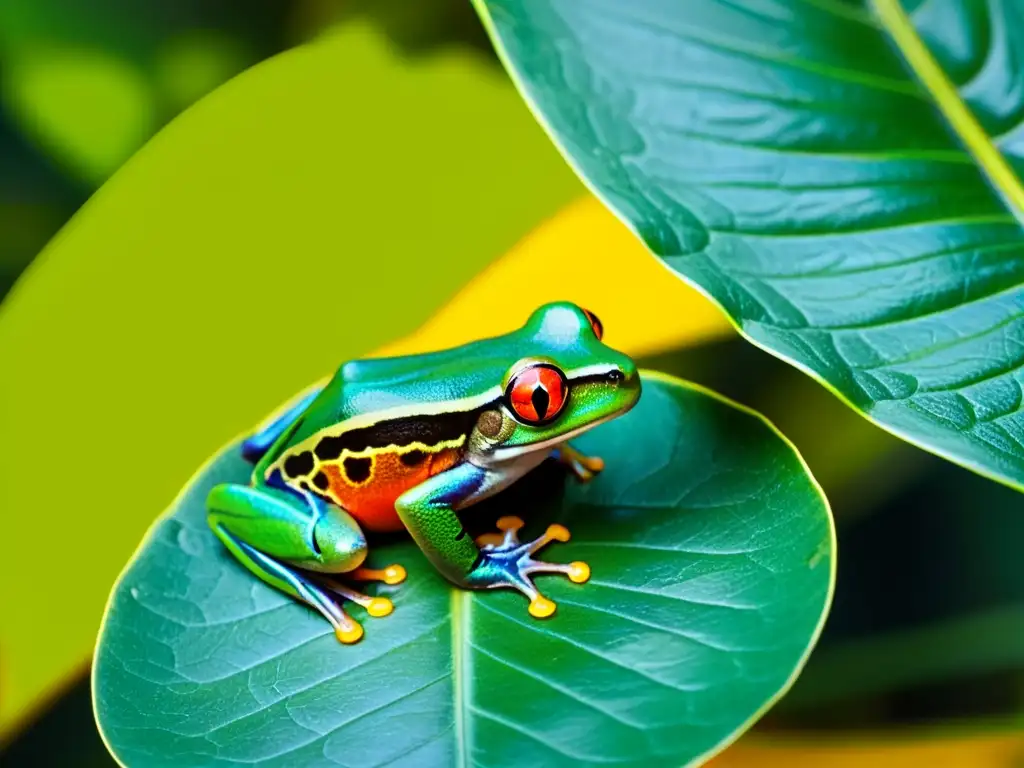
x: 814, y: 168
x: 712, y: 552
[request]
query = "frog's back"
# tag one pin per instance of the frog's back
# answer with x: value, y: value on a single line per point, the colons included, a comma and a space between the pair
x: 384, y: 425
x: 445, y: 377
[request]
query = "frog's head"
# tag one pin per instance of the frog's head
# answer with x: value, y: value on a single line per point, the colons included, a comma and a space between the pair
x: 565, y: 380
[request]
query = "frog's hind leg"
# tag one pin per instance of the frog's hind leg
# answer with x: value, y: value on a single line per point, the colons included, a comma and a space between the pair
x: 391, y: 574
x: 375, y: 606
x: 289, y: 541
x: 346, y: 629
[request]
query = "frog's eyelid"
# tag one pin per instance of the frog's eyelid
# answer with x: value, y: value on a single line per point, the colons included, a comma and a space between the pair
x: 595, y: 323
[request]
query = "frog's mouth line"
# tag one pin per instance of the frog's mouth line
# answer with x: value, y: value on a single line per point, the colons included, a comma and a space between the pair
x: 503, y: 455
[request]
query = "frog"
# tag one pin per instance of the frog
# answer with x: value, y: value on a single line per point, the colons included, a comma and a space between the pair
x: 404, y: 445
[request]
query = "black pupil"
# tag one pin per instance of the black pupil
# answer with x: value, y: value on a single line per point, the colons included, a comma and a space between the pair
x: 615, y: 376
x: 540, y: 400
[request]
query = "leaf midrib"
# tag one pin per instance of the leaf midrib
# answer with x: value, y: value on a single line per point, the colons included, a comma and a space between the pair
x: 460, y: 610
x: 897, y: 23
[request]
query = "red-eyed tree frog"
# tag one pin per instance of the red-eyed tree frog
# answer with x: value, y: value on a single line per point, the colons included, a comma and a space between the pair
x: 408, y: 443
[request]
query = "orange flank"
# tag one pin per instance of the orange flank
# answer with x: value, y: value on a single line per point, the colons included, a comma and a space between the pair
x: 371, y: 500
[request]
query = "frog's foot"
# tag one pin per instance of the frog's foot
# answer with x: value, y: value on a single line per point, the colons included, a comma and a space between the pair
x: 346, y: 628
x: 506, y: 562
x: 391, y: 574
x: 582, y: 466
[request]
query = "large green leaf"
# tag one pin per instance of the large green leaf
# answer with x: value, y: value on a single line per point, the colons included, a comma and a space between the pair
x: 713, y: 558
x: 814, y: 168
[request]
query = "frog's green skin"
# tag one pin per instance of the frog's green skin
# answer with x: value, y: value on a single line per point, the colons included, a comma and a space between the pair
x: 408, y: 442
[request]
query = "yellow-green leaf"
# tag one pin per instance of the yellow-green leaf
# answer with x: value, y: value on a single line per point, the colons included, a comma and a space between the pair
x: 316, y: 206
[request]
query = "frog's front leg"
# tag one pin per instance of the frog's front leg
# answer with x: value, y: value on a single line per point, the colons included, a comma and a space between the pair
x: 582, y: 466
x: 429, y: 513
x: 277, y: 535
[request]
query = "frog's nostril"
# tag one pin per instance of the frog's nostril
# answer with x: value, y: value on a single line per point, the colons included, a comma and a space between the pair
x: 629, y: 371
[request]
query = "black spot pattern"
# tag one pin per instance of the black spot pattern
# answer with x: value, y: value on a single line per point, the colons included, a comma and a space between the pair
x: 357, y: 469
x: 429, y: 430
x: 412, y: 458
x: 320, y: 481
x: 329, y: 448
x: 299, y: 465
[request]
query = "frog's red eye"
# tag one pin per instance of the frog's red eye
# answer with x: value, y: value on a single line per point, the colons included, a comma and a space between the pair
x: 537, y: 394
x: 595, y: 323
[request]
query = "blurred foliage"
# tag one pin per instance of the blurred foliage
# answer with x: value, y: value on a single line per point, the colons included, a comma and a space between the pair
x: 925, y: 747
x: 628, y: 305
x: 415, y: 28
x: 85, y: 85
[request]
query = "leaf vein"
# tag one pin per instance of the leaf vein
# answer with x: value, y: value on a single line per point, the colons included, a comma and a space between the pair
x: 568, y: 692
